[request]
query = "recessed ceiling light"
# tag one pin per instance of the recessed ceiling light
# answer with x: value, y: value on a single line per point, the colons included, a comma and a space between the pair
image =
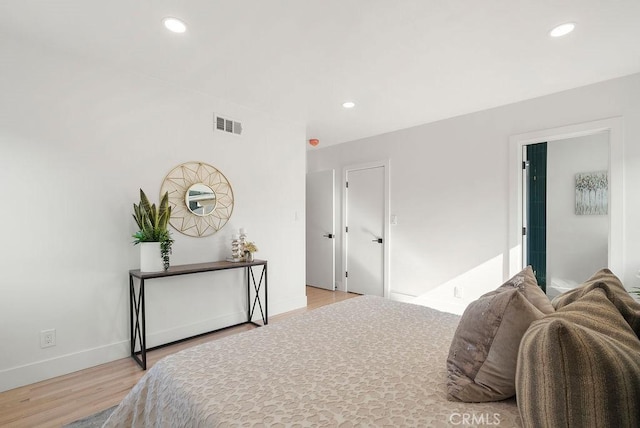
x: 562, y: 30
x: 348, y: 104
x: 175, y: 25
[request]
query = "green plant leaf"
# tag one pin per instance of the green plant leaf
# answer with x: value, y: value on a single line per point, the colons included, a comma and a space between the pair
x: 137, y: 215
x: 152, y: 221
x: 144, y: 201
x: 164, y: 211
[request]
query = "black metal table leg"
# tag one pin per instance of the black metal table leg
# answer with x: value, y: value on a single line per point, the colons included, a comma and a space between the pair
x: 131, y: 306
x: 266, y: 300
x: 249, y: 313
x: 251, y: 279
x: 138, y: 331
x: 143, y: 349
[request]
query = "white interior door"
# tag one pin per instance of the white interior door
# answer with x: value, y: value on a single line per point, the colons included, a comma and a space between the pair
x: 320, y: 229
x: 365, y: 231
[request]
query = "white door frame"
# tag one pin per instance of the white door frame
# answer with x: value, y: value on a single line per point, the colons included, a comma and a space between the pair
x: 524, y: 178
x: 386, y: 232
x: 614, y: 126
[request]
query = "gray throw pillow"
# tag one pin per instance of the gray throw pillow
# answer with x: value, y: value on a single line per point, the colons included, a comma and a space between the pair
x: 483, y: 355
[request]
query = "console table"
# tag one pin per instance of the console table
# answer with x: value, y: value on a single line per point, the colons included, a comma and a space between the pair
x: 136, y: 299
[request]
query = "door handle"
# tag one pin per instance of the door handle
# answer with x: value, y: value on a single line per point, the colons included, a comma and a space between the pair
x: 328, y: 235
x: 378, y: 240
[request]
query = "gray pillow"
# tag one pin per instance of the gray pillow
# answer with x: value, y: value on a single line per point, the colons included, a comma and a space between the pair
x: 525, y: 281
x: 483, y: 355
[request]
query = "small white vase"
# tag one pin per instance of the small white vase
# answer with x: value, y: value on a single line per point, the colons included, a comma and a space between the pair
x: 150, y: 257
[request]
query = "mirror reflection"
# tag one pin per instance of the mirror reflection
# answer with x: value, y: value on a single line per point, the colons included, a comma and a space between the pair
x: 200, y: 199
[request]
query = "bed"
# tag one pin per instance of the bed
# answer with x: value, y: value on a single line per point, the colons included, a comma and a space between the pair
x: 365, y: 361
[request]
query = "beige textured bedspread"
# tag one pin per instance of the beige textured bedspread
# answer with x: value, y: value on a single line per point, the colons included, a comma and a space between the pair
x: 366, y: 362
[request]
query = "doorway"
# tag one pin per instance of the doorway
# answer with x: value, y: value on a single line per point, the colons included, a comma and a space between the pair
x: 563, y: 242
x: 366, y: 234
x: 613, y: 129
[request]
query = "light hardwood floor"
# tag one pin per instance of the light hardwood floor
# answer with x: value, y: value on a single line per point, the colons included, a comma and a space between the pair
x: 61, y: 400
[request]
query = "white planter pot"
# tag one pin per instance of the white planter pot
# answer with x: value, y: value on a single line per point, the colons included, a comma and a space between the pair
x: 150, y: 257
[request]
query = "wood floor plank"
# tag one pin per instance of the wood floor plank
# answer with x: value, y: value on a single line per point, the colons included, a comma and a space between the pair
x: 64, y: 399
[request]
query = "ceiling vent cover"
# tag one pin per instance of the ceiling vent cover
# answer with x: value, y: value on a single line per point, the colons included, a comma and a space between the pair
x: 225, y: 124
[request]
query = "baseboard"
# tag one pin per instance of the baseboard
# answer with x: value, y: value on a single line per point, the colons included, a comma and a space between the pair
x: 46, y: 369
x: 285, y: 305
x: 401, y: 297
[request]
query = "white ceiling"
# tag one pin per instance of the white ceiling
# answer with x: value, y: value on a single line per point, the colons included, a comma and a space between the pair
x: 404, y: 62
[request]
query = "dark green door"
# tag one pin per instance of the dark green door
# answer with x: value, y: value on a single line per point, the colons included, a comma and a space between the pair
x: 536, y: 228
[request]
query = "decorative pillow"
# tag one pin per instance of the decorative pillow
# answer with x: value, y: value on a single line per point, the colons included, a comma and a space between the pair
x: 580, y: 367
x: 483, y: 354
x: 616, y: 293
x: 526, y: 282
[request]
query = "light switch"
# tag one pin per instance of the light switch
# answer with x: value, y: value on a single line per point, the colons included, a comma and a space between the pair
x: 394, y: 220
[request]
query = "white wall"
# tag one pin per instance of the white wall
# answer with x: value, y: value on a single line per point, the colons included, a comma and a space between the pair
x: 77, y: 142
x: 576, y: 244
x: 450, y: 190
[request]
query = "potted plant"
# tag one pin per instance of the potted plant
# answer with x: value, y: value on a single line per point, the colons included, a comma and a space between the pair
x: 249, y: 249
x: 154, y: 237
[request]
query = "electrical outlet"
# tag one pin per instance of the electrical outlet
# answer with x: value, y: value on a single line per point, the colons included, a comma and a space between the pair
x: 458, y: 292
x: 48, y: 338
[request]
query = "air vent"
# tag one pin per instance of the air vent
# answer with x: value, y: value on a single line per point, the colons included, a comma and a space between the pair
x: 220, y: 123
x: 225, y: 124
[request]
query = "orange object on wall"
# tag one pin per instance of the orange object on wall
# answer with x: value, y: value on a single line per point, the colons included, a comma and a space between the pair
x: 314, y: 142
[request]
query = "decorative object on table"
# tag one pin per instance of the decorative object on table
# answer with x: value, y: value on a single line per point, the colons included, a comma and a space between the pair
x: 238, y: 242
x: 591, y: 193
x: 154, y: 237
x: 201, y: 198
x: 243, y: 239
x: 249, y: 249
x: 236, y: 249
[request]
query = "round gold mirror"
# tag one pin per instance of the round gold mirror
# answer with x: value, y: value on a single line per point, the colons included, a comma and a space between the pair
x: 201, y: 198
